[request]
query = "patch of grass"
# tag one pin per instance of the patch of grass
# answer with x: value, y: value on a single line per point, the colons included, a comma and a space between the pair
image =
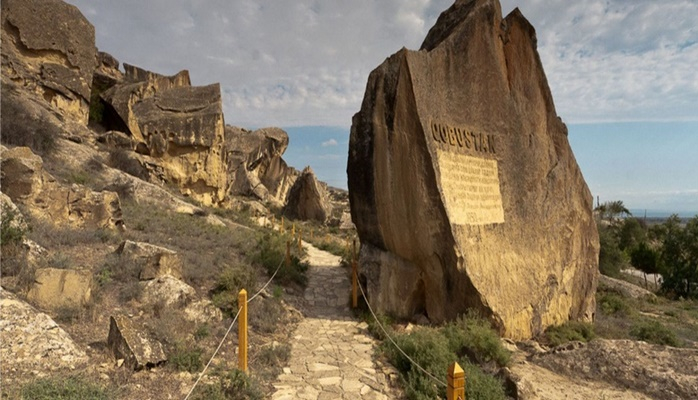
x: 611, y: 303
x: 652, y: 331
x: 265, y: 314
x: 270, y: 359
x: 21, y: 127
x: 432, y: 350
x: 65, y: 388
x: 130, y: 291
x: 231, y: 385
x: 54, y: 236
x: 228, y: 285
x: 569, y: 331
x: 272, y: 252
x: 186, y: 358
x: 202, y: 332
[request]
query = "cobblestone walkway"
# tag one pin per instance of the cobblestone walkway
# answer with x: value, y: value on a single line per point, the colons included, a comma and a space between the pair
x: 332, y: 354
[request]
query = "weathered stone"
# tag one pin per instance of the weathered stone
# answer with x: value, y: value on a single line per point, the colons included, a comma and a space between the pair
x: 54, y: 60
x: 153, y: 261
x: 116, y: 139
x: 463, y: 187
x: 661, y: 372
x: 308, y: 199
x: 56, y: 288
x: 133, y: 346
x: 255, y: 166
x: 171, y: 292
x: 31, y: 342
x: 25, y: 181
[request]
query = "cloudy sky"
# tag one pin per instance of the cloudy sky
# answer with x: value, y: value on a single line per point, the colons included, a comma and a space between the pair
x: 615, y: 68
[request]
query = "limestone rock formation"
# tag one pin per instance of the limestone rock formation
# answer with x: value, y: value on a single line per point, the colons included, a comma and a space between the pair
x: 54, y: 60
x: 31, y: 342
x: 25, y: 181
x: 171, y: 292
x: 255, y: 166
x: 153, y: 261
x: 56, y: 288
x: 308, y: 199
x: 133, y: 346
x: 463, y: 187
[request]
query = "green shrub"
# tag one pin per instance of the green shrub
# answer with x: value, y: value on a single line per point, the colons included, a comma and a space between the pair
x: 569, y: 331
x: 233, y: 385
x: 432, y: 349
x: 654, y: 332
x: 611, y: 303
x: 472, y: 335
x: 10, y: 232
x: 186, y: 358
x: 228, y: 285
x: 64, y: 388
x: 272, y: 253
x: 202, y: 332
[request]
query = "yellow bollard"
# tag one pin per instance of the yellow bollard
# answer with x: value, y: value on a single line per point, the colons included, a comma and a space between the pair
x: 293, y: 229
x: 311, y: 236
x: 354, y: 284
x: 353, y: 254
x: 242, y: 331
x: 288, y: 253
x: 456, y: 383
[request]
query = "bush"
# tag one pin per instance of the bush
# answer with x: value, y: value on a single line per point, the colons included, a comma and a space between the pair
x: 11, y: 231
x: 433, y: 349
x: 272, y: 252
x: 611, y: 257
x: 228, y: 285
x: 64, y: 388
x: 654, y: 332
x: 611, y: 303
x: 233, y: 385
x: 569, y: 331
x: 470, y: 335
x: 186, y: 358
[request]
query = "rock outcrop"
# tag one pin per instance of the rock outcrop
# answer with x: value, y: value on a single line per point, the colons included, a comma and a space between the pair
x: 152, y: 261
x: 463, y: 187
x: 308, y: 199
x: 255, y: 166
x: 25, y: 181
x: 169, y: 291
x: 53, y: 60
x: 135, y: 347
x: 56, y: 288
x: 31, y: 342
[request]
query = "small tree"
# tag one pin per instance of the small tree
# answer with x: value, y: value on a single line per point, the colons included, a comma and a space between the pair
x: 646, y: 259
x: 679, y: 256
x: 631, y: 234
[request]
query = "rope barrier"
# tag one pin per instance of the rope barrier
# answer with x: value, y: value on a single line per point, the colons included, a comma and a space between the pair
x: 201, y: 375
x: 442, y: 383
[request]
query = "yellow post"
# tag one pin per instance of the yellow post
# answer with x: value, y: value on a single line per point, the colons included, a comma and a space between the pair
x: 242, y: 331
x: 456, y: 383
x: 288, y: 253
x: 311, y: 235
x: 354, y: 283
x: 293, y: 229
x: 353, y: 254
x: 282, y: 225
x: 273, y: 221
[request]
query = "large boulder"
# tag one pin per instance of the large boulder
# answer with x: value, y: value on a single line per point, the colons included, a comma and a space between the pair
x: 54, y: 60
x: 25, y: 181
x: 56, y: 288
x: 255, y: 166
x: 152, y: 261
x: 133, y: 345
x: 463, y: 187
x: 308, y: 199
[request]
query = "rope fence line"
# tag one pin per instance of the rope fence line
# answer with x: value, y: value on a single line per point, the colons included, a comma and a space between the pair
x: 201, y: 375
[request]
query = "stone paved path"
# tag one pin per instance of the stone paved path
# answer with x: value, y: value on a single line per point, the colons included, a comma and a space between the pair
x: 332, y: 354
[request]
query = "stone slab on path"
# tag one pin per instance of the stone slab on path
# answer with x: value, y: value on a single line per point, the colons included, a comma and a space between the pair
x: 332, y: 353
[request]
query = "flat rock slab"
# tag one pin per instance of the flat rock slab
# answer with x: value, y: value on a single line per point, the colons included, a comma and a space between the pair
x: 332, y: 354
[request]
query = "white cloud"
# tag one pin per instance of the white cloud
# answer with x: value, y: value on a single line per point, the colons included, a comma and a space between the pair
x: 328, y: 143
x: 306, y: 62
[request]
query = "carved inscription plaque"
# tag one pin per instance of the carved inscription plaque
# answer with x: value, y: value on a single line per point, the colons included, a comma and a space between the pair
x: 471, y: 189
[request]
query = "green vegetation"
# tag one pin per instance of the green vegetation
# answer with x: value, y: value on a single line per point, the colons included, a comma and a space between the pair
x: 569, y: 331
x: 232, y: 385
x: 186, y: 358
x: 272, y: 252
x: 653, y: 331
x: 11, y: 231
x: 64, y: 388
x: 669, y: 249
x: 468, y: 340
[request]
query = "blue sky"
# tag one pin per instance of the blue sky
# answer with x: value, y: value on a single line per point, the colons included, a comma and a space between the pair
x: 622, y: 72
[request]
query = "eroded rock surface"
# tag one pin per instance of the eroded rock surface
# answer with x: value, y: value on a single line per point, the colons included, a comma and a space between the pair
x: 133, y: 346
x: 308, y: 199
x: 26, y: 182
x: 463, y: 187
x: 53, y: 60
x: 56, y: 288
x: 153, y: 261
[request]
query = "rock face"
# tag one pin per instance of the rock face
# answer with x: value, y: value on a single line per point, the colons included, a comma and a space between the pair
x: 30, y: 341
x: 136, y: 349
x: 308, y: 199
x: 661, y: 372
x: 54, y: 288
x: 54, y: 60
x: 25, y: 181
x: 463, y: 187
x: 255, y: 166
x: 154, y: 261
